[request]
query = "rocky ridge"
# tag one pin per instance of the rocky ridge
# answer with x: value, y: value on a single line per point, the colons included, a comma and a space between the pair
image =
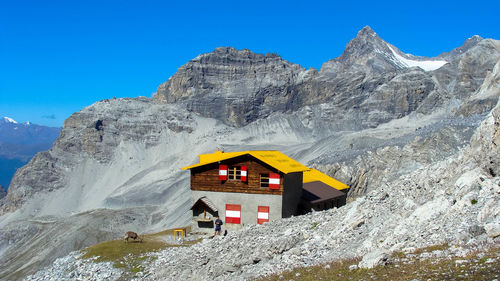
x: 366, y: 125
x: 2, y: 192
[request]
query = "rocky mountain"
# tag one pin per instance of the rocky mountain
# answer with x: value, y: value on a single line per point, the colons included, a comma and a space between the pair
x: 371, y: 118
x: 19, y: 143
x: 454, y: 202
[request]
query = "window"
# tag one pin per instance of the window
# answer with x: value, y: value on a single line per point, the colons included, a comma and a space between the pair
x: 271, y: 181
x: 234, y: 173
x: 264, y: 180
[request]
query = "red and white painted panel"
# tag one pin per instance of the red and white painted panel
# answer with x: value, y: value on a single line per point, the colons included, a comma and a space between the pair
x: 222, y: 172
x: 274, y: 181
x: 233, y: 213
x: 262, y: 214
x: 243, y: 173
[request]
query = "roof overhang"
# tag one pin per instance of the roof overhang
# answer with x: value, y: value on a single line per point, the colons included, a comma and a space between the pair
x: 317, y: 191
x: 313, y: 175
x: 207, y: 202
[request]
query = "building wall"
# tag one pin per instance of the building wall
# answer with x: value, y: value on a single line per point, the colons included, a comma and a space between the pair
x: 248, y: 202
x: 206, y: 177
x: 292, y: 194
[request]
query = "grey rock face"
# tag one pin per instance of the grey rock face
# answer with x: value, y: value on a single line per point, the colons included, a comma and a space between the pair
x: 235, y: 86
x: 2, y: 192
x: 367, y: 53
x: 468, y: 44
x: 41, y: 174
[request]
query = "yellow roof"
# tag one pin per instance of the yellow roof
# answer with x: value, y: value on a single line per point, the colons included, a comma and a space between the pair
x: 315, y: 175
x: 273, y: 158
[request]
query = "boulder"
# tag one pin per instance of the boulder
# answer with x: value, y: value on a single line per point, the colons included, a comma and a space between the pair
x: 492, y: 229
x: 374, y: 258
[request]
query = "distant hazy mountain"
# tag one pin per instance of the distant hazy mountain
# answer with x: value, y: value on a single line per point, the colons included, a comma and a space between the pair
x: 19, y: 143
x: 26, y: 133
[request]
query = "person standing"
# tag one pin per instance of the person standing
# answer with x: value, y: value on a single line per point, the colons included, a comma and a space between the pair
x: 218, y: 226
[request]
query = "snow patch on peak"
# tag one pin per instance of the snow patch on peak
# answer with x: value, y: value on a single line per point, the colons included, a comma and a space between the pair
x: 9, y: 120
x: 427, y: 65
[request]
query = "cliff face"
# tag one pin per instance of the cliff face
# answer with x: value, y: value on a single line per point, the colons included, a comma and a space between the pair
x: 368, y: 117
x: 237, y: 87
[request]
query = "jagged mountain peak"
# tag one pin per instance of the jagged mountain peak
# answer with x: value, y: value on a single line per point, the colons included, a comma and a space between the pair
x: 365, y: 41
x: 468, y: 44
x: 367, y: 32
x: 369, y: 53
x: 474, y: 38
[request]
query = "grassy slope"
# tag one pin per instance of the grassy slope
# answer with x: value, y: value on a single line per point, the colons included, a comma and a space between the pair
x: 132, y: 256
x: 476, y: 266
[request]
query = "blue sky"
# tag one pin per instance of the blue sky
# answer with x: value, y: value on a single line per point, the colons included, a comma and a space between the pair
x: 57, y: 57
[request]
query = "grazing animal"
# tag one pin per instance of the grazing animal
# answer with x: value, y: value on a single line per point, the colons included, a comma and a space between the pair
x: 132, y: 235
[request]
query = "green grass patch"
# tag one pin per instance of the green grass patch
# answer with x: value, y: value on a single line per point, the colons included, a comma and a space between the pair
x: 432, y: 248
x: 398, y: 255
x: 132, y: 257
x: 115, y: 249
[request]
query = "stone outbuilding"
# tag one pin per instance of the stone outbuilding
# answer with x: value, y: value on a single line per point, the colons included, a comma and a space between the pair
x: 254, y: 187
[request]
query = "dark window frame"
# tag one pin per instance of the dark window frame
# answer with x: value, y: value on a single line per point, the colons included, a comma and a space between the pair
x: 234, y: 173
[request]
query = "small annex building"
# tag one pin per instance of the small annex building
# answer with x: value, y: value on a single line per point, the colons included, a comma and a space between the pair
x: 253, y: 187
x: 321, y: 192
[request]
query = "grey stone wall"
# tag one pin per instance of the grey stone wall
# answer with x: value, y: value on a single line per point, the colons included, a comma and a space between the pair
x: 248, y: 202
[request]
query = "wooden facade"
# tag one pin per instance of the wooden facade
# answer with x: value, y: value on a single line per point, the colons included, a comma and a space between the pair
x: 206, y: 177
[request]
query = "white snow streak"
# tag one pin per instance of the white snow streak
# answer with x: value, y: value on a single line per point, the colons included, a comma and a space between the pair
x: 427, y: 65
x: 10, y: 120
